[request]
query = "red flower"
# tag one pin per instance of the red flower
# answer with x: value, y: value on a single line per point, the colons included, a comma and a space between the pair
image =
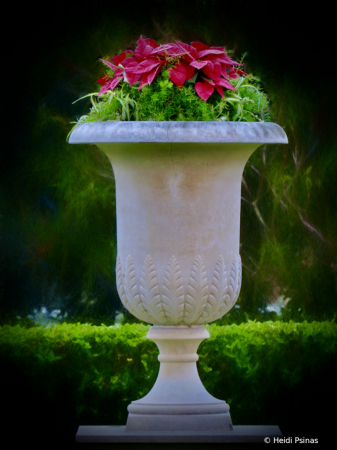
x: 235, y: 73
x: 181, y: 72
x: 104, y: 79
x: 204, y: 90
x: 140, y: 66
x: 111, y: 83
x: 149, y: 57
x: 122, y: 57
x: 213, y: 62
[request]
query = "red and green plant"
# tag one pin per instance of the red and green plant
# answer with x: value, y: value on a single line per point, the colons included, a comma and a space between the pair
x: 184, y: 62
x: 176, y: 82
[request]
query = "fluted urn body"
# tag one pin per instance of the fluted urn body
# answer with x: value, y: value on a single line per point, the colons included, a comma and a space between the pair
x: 178, y: 195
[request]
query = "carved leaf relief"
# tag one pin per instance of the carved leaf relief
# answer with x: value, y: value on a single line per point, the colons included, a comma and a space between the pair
x: 197, y: 291
x: 121, y: 290
x: 169, y: 303
x: 234, y: 289
x: 218, y: 293
x: 239, y: 279
x: 120, y: 286
x: 173, y: 293
x: 149, y: 292
x: 134, y: 298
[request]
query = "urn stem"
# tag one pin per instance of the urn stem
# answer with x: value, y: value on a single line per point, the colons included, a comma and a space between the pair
x: 178, y: 400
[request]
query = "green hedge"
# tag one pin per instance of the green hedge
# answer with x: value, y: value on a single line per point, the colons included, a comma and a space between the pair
x: 84, y: 374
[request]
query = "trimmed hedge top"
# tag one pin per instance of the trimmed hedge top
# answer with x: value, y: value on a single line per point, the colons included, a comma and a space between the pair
x: 99, y: 370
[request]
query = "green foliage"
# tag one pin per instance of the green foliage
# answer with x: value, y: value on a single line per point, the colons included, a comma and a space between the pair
x: 98, y: 370
x: 163, y: 101
x: 289, y: 213
x: 268, y: 360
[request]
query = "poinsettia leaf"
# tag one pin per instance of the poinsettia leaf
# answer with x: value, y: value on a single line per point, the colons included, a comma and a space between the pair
x: 167, y: 50
x: 204, y: 90
x: 209, y: 51
x: 178, y: 75
x: 174, y: 49
x: 143, y: 48
x: 147, y: 65
x: 187, y: 58
x: 213, y: 58
x: 152, y: 75
x: 208, y: 80
x: 143, y: 81
x: 109, y: 64
x: 212, y: 70
x: 117, y: 71
x: 147, y: 51
x: 232, y: 74
x: 232, y: 62
x: 190, y: 70
x: 235, y: 73
x: 224, y: 59
x: 151, y: 42
x: 115, y: 81
x: 119, y: 58
x: 199, y: 46
x: 110, y: 85
x: 161, y: 50
x: 241, y: 72
x: 199, y: 64
x: 219, y: 89
x: 216, y: 70
x: 127, y: 61
x: 193, y: 79
x: 224, y: 68
x: 104, y: 79
x: 226, y: 84
x: 130, y: 72
x: 193, y: 54
x: 208, y: 69
x: 104, y: 89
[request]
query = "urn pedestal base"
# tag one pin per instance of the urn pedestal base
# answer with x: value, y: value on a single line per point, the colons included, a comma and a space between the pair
x: 117, y: 434
x: 178, y: 401
x: 178, y: 408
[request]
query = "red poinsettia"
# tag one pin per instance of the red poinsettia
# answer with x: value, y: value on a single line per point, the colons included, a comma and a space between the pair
x: 182, y: 60
x: 213, y: 62
x: 235, y: 73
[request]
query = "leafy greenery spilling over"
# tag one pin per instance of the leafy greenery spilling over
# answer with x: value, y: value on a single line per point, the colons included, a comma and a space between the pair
x: 91, y: 373
x: 162, y: 100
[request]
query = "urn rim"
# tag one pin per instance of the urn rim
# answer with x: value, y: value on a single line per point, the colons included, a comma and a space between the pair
x: 178, y: 132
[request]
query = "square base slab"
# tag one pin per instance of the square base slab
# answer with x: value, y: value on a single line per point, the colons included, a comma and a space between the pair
x: 115, y: 433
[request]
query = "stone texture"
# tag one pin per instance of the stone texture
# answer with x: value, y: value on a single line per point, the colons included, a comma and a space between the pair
x: 178, y: 197
x: 178, y: 228
x: 152, y: 131
x: 178, y: 401
x: 240, y: 433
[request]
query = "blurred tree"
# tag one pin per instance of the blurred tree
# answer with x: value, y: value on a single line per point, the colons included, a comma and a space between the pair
x: 57, y: 205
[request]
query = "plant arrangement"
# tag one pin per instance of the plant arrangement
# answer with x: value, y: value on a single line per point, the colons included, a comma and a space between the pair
x: 176, y: 81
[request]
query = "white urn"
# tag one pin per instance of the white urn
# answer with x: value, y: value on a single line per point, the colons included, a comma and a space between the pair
x: 178, y: 196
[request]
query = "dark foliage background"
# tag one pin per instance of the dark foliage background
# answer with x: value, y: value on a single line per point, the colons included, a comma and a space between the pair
x: 57, y: 216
